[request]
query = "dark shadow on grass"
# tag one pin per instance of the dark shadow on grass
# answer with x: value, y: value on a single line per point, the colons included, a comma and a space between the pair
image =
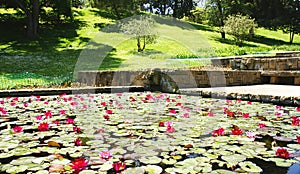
x: 269, y: 41
x: 231, y: 42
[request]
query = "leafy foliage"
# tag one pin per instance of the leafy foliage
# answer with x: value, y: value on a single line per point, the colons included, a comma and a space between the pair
x: 141, y: 29
x: 240, y: 27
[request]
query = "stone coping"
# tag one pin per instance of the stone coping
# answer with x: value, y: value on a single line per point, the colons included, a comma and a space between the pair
x: 57, y: 91
x: 285, y: 95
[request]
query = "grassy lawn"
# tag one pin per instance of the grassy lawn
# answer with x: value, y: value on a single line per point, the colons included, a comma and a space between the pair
x: 63, y: 49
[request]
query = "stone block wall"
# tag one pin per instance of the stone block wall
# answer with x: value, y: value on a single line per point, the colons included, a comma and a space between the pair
x: 170, y: 80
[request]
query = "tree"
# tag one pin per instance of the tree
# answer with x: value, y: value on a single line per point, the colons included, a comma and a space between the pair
x: 31, y: 8
x: 240, y: 27
x: 219, y: 10
x: 141, y: 29
x: 291, y: 15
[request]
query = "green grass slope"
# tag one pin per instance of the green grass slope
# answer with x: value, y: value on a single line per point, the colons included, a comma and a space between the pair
x: 86, y: 44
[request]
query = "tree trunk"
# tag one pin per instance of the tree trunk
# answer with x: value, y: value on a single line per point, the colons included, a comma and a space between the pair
x: 223, y: 35
x: 221, y: 17
x: 175, y: 8
x: 292, y: 34
x: 139, y: 44
x: 144, y: 44
x: 32, y: 12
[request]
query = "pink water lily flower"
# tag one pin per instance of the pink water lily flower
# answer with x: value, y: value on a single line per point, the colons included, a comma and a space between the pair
x: 169, y: 123
x: 261, y: 125
x: 295, y: 121
x: 18, y: 129
x: 119, y: 166
x: 251, y: 134
x: 48, y: 114
x: 78, y: 142
x: 43, y: 127
x: 70, y: 121
x: 79, y: 164
x: 62, y: 112
x: 170, y: 129
x: 39, y: 117
x: 246, y: 115
x: 105, y: 154
x: 172, y: 111
x: 218, y: 132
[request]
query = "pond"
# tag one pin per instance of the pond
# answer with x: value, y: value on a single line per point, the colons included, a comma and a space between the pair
x: 146, y: 133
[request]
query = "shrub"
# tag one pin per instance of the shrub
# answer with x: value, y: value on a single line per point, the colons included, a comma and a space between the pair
x: 240, y: 27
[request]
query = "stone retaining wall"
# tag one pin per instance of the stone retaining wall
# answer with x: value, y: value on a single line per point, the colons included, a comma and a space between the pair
x: 170, y: 80
x: 280, y: 62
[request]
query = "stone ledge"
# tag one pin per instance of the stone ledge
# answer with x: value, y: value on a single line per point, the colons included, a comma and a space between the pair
x: 57, y: 91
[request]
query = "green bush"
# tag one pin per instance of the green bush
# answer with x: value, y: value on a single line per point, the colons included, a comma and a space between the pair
x: 240, y: 27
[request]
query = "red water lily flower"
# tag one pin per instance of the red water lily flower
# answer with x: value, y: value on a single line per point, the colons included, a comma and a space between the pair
x: 70, y: 121
x: 78, y: 142
x: 76, y: 129
x: 109, y: 111
x: 43, y: 127
x: 170, y: 129
x: 18, y: 129
x: 236, y: 131
x: 105, y: 154
x: 249, y: 103
x: 186, y: 115
x: 172, y: 111
x: 246, y: 115
x: 211, y: 114
x: 39, y: 117
x: 62, y: 112
x: 106, y: 117
x: 298, y: 109
x: 282, y: 153
x: 119, y: 166
x: 218, y: 132
x: 295, y: 121
x: 161, y: 124
x: 230, y: 114
x: 79, y: 164
x: 57, y: 122
x: 298, y: 139
x: 25, y: 105
x: 48, y: 114
x: 261, y: 125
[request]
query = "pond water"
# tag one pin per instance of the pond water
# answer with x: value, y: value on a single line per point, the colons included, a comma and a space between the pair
x: 146, y: 133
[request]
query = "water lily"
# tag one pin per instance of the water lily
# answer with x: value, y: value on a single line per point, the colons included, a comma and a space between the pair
x: 43, y: 127
x: 39, y: 117
x: 78, y: 142
x: 62, y: 112
x: 106, y: 117
x: 236, y: 131
x: 249, y: 103
x: 18, y: 129
x: 119, y: 166
x: 57, y: 122
x: 211, y: 114
x: 246, y: 115
x: 109, y: 111
x: 169, y: 123
x: 186, y: 115
x: 172, y: 111
x: 76, y: 129
x: 218, y: 132
x: 161, y: 124
x: 298, y: 109
x: 251, y: 134
x: 261, y: 125
x: 170, y: 129
x: 103, y: 104
x: 70, y: 121
x: 25, y: 105
x: 282, y: 153
x: 48, y: 114
x: 298, y: 139
x: 295, y: 121
x: 278, y: 107
x: 105, y: 154
x: 79, y: 164
x: 230, y: 114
